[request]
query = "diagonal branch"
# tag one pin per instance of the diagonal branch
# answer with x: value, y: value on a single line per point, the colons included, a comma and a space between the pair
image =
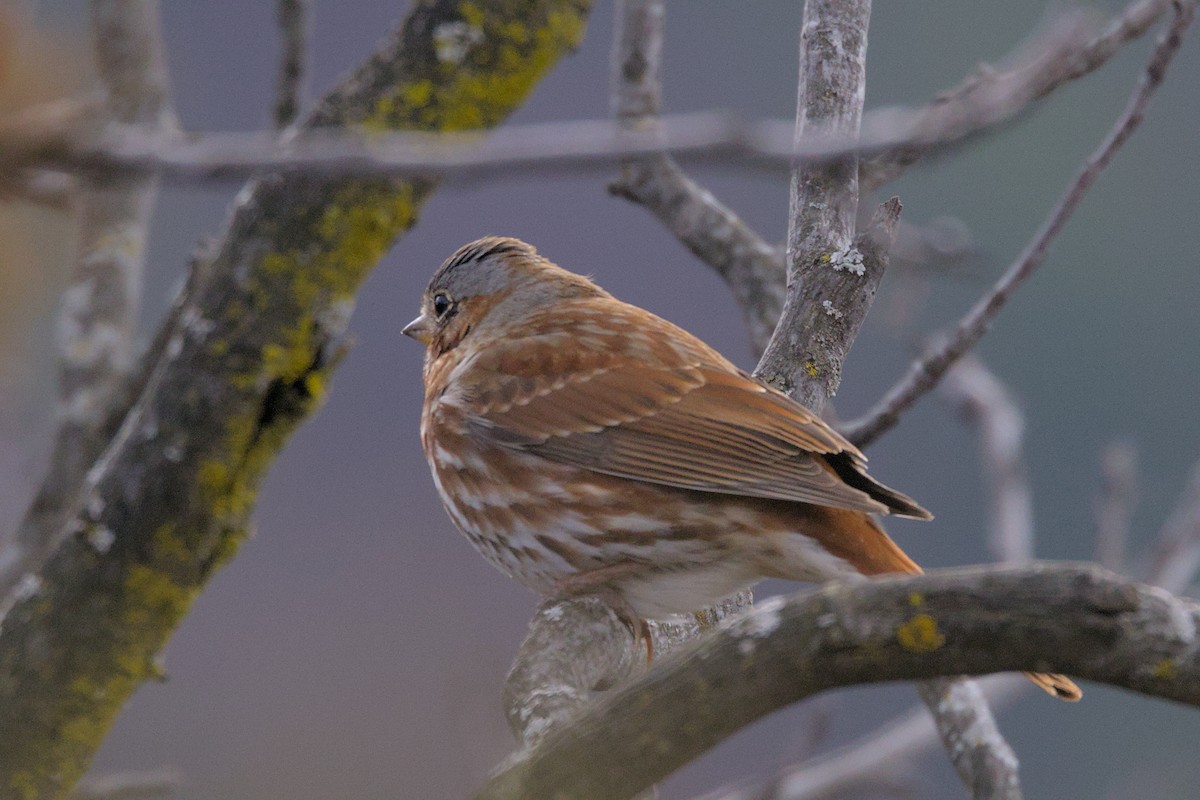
x: 1062, y: 53
x: 925, y: 373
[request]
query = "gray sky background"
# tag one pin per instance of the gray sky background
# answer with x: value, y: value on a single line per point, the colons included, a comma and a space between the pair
x: 357, y: 646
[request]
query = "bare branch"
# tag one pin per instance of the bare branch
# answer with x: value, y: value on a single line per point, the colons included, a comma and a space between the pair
x: 981, y: 398
x: 1061, y: 53
x: 1077, y: 619
x: 99, y: 308
x: 925, y: 373
x: 718, y: 237
x: 984, y: 761
x: 159, y: 785
x: 1114, y: 505
x: 574, y: 648
x: 814, y: 333
x: 832, y: 279
x: 293, y: 17
x: 1176, y: 554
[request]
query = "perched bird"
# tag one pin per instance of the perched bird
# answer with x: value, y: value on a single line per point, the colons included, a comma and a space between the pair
x: 588, y: 447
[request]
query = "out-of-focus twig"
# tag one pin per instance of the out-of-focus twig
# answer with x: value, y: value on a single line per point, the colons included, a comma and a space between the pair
x: 1063, y: 51
x: 1176, y: 554
x: 293, y: 17
x: 160, y: 785
x: 99, y: 307
x: 1115, y: 503
x: 925, y: 373
x: 978, y: 395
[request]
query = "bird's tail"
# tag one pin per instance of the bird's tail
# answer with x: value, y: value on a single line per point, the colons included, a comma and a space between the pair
x: 859, y: 540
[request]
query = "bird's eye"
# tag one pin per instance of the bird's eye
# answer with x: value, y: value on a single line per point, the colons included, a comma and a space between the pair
x: 442, y: 305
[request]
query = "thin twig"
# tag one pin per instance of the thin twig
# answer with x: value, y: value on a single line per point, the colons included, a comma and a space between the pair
x: 1062, y: 53
x: 157, y: 785
x: 1176, y: 554
x: 925, y: 373
x: 718, y: 237
x: 982, y: 399
x: 293, y: 17
x: 1115, y: 503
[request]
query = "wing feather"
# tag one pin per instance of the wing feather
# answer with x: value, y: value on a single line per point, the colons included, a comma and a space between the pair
x: 678, y: 415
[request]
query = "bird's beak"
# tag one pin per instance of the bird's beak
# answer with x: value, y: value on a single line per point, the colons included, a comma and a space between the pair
x: 420, y: 329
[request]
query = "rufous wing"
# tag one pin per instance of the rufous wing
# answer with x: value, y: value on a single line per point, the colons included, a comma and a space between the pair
x: 677, y: 415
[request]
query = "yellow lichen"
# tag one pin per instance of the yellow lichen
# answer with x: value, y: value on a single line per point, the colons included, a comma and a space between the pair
x: 471, y: 95
x: 810, y: 368
x: 154, y: 597
x: 915, y: 599
x: 1166, y: 670
x: 920, y: 634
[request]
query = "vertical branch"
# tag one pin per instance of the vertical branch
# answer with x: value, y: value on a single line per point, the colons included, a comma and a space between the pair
x: 293, y: 17
x: 1114, y: 506
x: 983, y: 400
x: 832, y: 279
x: 805, y: 355
x: 100, y: 304
x: 1176, y: 554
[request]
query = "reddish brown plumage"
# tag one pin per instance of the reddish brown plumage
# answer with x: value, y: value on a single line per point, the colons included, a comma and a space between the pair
x: 585, y: 445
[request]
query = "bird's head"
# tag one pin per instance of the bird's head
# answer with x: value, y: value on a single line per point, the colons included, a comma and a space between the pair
x: 486, y: 287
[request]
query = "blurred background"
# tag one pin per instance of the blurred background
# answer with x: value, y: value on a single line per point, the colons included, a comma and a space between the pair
x: 357, y: 646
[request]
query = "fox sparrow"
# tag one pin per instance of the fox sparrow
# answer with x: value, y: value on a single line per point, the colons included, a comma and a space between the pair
x: 586, y: 446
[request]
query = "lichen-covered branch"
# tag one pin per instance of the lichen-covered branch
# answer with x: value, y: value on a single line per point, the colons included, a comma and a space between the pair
x: 99, y: 308
x: 925, y: 373
x: 247, y: 358
x: 1076, y: 619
